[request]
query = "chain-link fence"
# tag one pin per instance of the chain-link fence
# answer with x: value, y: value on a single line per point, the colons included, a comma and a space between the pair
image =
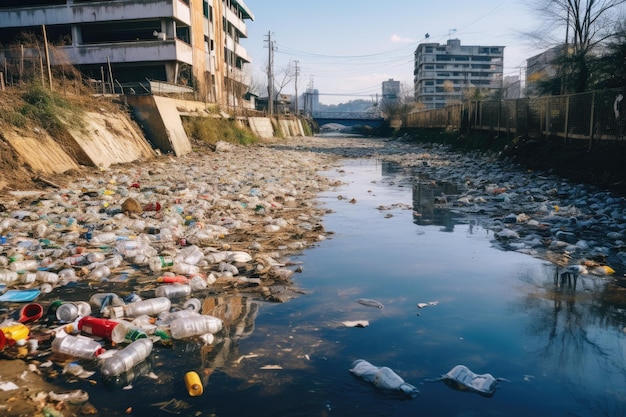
x: 595, y: 115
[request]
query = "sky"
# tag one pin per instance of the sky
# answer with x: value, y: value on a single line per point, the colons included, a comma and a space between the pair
x: 346, y: 48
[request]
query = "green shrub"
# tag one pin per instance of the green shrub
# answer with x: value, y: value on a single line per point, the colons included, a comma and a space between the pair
x: 211, y: 130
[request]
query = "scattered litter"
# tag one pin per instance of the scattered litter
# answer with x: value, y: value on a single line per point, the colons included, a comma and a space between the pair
x: 382, y: 378
x: 430, y: 303
x: 462, y: 379
x: 356, y: 323
x: 8, y: 386
x: 272, y: 367
x: 369, y: 303
x: 249, y: 356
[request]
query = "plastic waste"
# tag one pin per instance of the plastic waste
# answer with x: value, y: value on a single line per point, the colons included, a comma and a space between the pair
x: 186, y: 269
x: 173, y: 290
x: 96, y: 326
x: 382, y: 377
x: 15, y: 333
x: 194, y: 384
x: 194, y: 326
x: 150, y: 307
x: 30, y: 313
x: 158, y: 263
x: 28, y: 265
x: 77, y: 346
x: 127, y: 358
x: 461, y: 378
x: 8, y: 276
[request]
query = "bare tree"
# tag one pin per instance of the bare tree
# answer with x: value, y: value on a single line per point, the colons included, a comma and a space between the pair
x: 587, y: 23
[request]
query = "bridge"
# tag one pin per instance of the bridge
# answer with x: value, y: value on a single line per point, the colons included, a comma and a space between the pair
x: 352, y: 120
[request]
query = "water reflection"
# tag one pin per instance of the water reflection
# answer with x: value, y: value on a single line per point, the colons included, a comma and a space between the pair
x: 430, y: 199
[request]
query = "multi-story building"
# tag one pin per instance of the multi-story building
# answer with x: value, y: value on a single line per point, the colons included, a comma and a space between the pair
x: 193, y: 43
x: 391, y: 91
x: 444, y: 74
x: 541, y: 68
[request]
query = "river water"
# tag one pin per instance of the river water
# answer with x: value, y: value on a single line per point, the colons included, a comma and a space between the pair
x: 560, y: 350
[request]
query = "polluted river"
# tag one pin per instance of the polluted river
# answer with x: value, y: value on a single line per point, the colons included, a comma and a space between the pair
x: 325, y: 276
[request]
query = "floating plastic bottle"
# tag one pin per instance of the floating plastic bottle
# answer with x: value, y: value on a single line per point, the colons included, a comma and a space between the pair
x: 105, y: 299
x: 8, y: 276
x: 77, y: 346
x: 186, y: 269
x: 382, y: 377
x: 150, y: 307
x: 47, y: 276
x: 194, y: 384
x: 194, y: 326
x: 168, y: 318
x: 96, y: 326
x: 158, y: 263
x: 173, y: 290
x: 127, y: 358
x: 27, y: 265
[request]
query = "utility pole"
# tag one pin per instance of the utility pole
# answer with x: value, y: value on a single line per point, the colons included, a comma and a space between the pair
x: 270, y: 74
x: 296, y: 85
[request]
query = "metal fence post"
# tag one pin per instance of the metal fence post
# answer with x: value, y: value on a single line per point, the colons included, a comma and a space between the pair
x: 591, y: 116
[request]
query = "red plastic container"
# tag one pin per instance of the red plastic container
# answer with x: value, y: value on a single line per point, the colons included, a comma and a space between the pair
x: 180, y: 279
x: 97, y: 327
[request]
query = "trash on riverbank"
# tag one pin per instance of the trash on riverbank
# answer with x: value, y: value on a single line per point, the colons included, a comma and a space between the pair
x: 382, y: 378
x: 462, y: 379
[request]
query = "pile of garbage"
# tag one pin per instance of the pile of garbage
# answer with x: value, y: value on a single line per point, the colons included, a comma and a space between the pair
x: 144, y: 246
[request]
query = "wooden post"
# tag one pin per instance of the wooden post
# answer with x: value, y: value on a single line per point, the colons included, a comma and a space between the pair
x: 565, y: 128
x: 45, y: 41
x: 2, y: 81
x: 111, y: 76
x: 591, y: 116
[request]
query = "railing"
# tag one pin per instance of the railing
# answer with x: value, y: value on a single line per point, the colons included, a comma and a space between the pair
x: 595, y: 115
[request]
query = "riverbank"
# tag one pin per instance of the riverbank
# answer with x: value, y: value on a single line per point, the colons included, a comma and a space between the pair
x: 249, y: 209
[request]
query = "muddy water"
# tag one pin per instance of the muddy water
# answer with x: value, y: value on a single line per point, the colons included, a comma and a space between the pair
x: 560, y: 349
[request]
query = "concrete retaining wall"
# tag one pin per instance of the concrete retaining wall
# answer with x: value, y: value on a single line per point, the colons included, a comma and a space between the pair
x: 161, y: 123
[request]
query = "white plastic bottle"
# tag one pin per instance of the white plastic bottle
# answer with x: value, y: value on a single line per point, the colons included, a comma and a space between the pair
x: 27, y: 265
x: 8, y: 276
x: 194, y: 326
x: 127, y: 358
x: 168, y: 318
x: 77, y: 346
x: 47, y: 276
x: 158, y: 263
x: 173, y: 290
x: 382, y: 377
x: 186, y: 269
x: 150, y: 307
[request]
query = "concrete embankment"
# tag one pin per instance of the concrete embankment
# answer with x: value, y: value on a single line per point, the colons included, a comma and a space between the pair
x: 149, y: 126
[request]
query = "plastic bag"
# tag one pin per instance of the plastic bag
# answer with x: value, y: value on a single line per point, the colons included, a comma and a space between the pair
x: 382, y: 377
x: 462, y: 379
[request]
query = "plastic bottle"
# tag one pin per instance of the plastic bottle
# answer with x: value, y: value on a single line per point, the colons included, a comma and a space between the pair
x: 197, y: 283
x: 194, y: 326
x: 382, y: 377
x: 194, y: 384
x: 105, y: 299
x: 28, y: 265
x: 67, y: 312
x: 158, y: 263
x: 173, y: 290
x: 150, y: 307
x: 47, y: 276
x: 168, y: 318
x: 15, y: 333
x: 192, y: 304
x: 77, y: 346
x: 187, y: 269
x: 107, y: 237
x: 96, y: 326
x: 127, y: 358
x: 8, y: 276
x: 95, y: 257
x: 180, y: 279
x: 99, y: 272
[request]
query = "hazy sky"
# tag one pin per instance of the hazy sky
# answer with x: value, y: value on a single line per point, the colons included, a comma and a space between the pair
x: 347, y: 48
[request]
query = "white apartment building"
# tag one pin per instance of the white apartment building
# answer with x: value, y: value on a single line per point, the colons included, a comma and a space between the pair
x: 193, y: 43
x: 444, y: 74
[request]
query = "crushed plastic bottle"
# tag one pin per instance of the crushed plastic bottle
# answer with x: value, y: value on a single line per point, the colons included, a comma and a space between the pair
x: 194, y: 325
x: 175, y: 290
x: 127, y: 358
x: 77, y: 346
x: 382, y: 377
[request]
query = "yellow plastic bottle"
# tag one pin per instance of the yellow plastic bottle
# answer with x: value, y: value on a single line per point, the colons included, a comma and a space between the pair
x: 194, y: 384
x: 15, y: 333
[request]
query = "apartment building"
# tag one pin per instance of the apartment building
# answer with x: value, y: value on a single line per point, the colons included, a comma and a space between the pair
x: 187, y: 43
x: 444, y: 74
x: 391, y: 92
x: 541, y: 68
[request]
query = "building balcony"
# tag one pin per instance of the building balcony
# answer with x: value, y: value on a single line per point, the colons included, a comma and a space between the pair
x: 129, y: 52
x: 95, y: 12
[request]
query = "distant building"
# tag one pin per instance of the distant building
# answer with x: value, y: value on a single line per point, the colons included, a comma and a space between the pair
x: 311, y: 100
x: 181, y: 42
x: 541, y: 67
x: 391, y: 92
x: 511, y: 87
x: 448, y: 73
